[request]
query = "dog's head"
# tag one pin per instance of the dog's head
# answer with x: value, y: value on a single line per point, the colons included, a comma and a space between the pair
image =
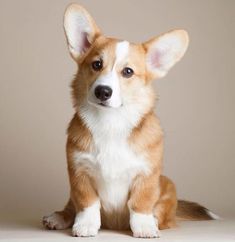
x: 112, y: 73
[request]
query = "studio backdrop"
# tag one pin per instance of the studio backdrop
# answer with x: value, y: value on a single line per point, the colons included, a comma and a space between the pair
x: 195, y: 106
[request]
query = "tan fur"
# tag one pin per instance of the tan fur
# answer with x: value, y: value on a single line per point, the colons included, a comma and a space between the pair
x: 145, y: 192
x: 149, y: 193
x: 83, y: 191
x: 165, y: 207
x: 192, y: 211
x: 68, y: 213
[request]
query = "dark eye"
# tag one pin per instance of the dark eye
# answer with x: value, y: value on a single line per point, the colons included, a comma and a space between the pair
x: 97, y: 65
x: 127, y: 72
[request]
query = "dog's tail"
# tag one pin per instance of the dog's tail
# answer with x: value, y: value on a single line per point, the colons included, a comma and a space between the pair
x: 193, y: 211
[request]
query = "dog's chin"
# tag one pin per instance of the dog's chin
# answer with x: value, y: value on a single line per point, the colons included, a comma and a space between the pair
x: 103, y: 105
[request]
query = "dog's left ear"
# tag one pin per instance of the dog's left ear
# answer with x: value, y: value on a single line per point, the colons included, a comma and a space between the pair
x: 80, y: 29
x: 164, y: 51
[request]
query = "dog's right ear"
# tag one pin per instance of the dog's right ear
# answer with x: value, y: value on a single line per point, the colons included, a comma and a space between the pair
x: 80, y: 30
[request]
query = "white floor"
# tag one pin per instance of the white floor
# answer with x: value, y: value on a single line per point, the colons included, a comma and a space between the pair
x: 23, y: 230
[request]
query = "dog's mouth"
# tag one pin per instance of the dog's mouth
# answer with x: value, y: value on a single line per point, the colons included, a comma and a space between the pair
x: 100, y: 104
x: 104, y: 105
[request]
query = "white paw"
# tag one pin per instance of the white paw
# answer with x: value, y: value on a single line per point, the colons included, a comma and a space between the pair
x: 85, y: 230
x: 144, y: 225
x: 55, y: 221
x: 87, y: 222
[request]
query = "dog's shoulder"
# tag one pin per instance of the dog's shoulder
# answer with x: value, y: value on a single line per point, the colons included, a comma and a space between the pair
x: 79, y: 136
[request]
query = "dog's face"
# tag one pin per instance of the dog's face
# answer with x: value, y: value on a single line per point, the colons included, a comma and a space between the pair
x: 115, y: 73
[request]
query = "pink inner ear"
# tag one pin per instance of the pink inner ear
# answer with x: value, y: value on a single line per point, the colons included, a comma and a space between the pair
x: 156, y: 58
x: 85, y: 44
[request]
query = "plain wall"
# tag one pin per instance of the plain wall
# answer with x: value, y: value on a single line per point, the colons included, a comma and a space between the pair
x: 196, y: 105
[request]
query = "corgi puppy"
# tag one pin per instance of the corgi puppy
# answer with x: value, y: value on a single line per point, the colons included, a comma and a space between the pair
x: 115, y: 141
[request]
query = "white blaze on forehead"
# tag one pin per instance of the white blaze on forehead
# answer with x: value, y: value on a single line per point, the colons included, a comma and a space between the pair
x: 111, y: 78
x: 122, y: 50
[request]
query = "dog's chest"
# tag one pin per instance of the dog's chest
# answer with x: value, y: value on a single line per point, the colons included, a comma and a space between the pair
x: 111, y: 160
x: 116, y: 165
x: 113, y: 165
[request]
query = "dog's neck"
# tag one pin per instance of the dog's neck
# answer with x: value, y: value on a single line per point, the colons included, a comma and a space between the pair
x: 114, y: 122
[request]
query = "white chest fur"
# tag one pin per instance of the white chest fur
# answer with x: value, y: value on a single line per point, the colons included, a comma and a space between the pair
x: 113, y: 165
x: 111, y: 161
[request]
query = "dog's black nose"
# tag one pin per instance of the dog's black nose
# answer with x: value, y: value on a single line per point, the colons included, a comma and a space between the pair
x: 103, y: 92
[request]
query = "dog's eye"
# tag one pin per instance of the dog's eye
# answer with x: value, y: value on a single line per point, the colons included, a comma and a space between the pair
x: 127, y: 72
x: 97, y: 65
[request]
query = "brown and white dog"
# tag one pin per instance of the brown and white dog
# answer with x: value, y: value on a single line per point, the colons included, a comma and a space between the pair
x: 115, y: 142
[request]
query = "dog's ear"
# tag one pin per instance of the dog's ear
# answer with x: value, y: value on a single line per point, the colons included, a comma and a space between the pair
x: 80, y: 29
x: 164, y: 51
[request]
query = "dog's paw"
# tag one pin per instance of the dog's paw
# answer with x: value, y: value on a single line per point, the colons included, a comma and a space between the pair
x: 82, y: 229
x: 56, y: 221
x: 87, y: 222
x: 144, y: 225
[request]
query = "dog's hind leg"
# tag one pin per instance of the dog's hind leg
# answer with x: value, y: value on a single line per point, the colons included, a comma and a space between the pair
x: 62, y: 219
x: 165, y: 208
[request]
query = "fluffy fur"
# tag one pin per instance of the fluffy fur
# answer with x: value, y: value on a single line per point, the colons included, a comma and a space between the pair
x: 115, y: 147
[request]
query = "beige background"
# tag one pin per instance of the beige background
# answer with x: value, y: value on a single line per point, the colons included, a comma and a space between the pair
x: 196, y: 104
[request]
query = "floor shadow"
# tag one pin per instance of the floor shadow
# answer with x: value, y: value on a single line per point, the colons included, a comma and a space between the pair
x: 120, y: 232
x: 36, y: 225
x: 24, y: 224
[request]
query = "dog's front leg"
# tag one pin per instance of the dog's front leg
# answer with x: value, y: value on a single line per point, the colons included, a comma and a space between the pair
x: 87, y: 221
x: 85, y: 199
x: 143, y: 196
